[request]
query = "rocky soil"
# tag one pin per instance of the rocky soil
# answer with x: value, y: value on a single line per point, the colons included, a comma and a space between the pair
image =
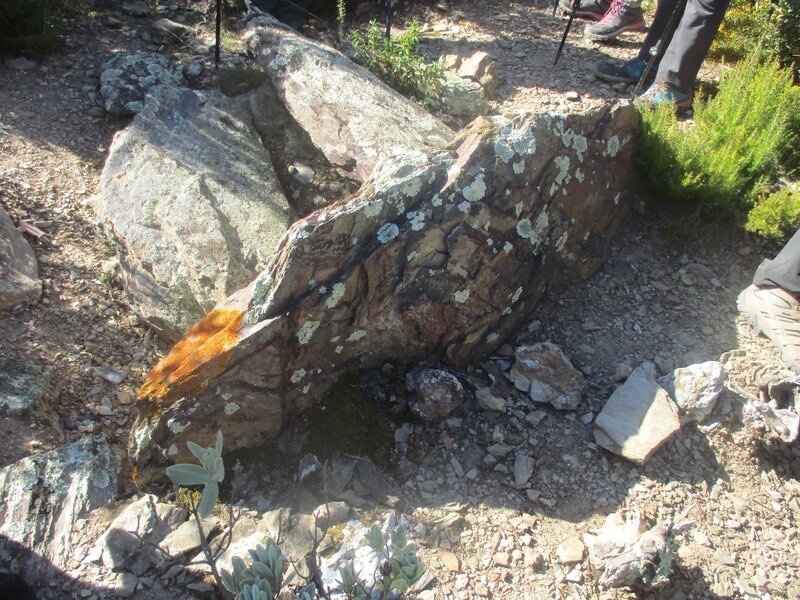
x: 729, y: 485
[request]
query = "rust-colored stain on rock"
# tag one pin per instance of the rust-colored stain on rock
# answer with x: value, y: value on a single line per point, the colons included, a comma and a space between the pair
x: 200, y: 356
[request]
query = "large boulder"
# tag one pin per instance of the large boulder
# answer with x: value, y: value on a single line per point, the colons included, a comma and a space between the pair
x: 189, y: 196
x: 19, y: 271
x: 352, y: 117
x: 439, y: 256
x: 43, y: 497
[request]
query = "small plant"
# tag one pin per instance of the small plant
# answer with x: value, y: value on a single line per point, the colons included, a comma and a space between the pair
x: 399, y: 566
x: 397, y: 60
x: 736, y: 146
x: 263, y: 579
x: 209, y: 473
x: 341, y: 13
x: 776, y: 215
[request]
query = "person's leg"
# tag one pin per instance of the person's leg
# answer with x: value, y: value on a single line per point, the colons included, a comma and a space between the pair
x: 783, y: 271
x: 658, y: 27
x: 772, y: 303
x: 690, y: 43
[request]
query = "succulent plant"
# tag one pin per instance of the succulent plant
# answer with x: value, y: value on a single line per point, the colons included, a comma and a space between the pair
x: 209, y: 473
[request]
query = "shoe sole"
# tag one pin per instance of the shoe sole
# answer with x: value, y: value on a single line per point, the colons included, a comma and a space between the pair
x: 781, y: 324
x: 605, y: 37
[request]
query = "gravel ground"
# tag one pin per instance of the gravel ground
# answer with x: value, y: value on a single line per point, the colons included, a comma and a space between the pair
x: 671, y: 302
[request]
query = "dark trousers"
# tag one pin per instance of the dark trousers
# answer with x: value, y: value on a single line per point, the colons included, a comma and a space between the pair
x: 690, y: 40
x: 782, y: 271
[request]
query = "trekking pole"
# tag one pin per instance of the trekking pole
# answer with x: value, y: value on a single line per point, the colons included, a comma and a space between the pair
x: 576, y: 5
x: 218, y: 31
x: 657, y: 50
x: 388, y: 18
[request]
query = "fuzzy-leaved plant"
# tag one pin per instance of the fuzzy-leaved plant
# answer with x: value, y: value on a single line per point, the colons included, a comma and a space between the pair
x: 262, y: 579
x: 209, y: 473
x: 399, y: 567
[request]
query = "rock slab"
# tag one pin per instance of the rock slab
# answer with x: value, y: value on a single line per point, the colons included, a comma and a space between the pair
x: 438, y: 257
x: 19, y: 271
x: 44, y: 495
x: 352, y: 117
x: 190, y: 198
x: 638, y: 417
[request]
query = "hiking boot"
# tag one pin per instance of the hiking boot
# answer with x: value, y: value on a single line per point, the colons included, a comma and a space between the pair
x: 775, y: 313
x: 660, y: 93
x: 627, y: 72
x: 619, y: 17
x: 590, y: 9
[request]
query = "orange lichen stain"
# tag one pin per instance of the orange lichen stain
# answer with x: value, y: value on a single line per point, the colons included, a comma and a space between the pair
x: 197, y: 359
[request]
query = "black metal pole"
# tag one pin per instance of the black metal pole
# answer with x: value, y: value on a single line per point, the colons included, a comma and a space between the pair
x: 388, y: 18
x: 219, y: 31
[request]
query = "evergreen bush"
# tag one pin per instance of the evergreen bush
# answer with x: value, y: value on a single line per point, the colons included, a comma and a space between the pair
x: 738, y: 143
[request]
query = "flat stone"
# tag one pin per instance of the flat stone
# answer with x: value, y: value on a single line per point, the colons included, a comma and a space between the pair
x: 186, y: 537
x: 125, y: 584
x: 570, y: 551
x: 523, y: 469
x: 19, y: 271
x: 332, y: 513
x: 450, y: 561
x: 637, y: 418
x: 488, y: 401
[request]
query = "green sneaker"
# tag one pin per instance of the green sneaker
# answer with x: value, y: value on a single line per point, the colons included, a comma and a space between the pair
x: 660, y: 93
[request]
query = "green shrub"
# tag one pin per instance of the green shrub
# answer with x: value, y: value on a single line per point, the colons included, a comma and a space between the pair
x: 397, y: 60
x: 771, y: 25
x: 737, y: 144
x: 776, y: 215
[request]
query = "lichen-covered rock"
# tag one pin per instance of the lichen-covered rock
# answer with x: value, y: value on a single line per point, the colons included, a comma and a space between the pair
x: 351, y: 116
x: 439, y: 256
x: 44, y: 495
x: 545, y: 373
x: 193, y: 204
x: 25, y: 388
x: 439, y: 393
x: 19, y: 271
x: 126, y: 79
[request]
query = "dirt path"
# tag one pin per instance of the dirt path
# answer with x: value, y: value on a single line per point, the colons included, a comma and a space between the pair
x: 656, y: 299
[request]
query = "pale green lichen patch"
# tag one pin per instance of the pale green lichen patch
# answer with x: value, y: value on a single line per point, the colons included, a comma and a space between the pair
x: 475, y: 191
x: 337, y: 292
x: 503, y: 149
x: 436, y: 200
x: 417, y: 220
x: 387, y: 233
x: 231, y: 407
x: 562, y: 241
x: 612, y: 146
x: 581, y: 145
x: 411, y: 256
x: 306, y: 331
x: 515, y: 296
x: 357, y: 335
x: 491, y: 338
x: 461, y: 296
x: 176, y: 426
x: 579, y: 175
x: 298, y: 375
x: 519, y: 167
x: 338, y: 349
x: 518, y: 209
x: 508, y: 247
x: 524, y: 228
x: 373, y: 208
x: 523, y: 142
x: 306, y: 387
x: 562, y: 162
